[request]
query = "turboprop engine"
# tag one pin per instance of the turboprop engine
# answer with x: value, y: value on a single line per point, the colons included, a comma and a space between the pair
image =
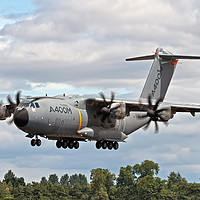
x: 166, y: 114
x: 119, y: 111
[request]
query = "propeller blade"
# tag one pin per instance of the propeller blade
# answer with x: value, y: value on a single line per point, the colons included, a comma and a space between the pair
x: 115, y: 107
x: 156, y: 127
x: 147, y: 125
x: 157, y: 103
x: 150, y: 102
x: 18, y: 97
x: 10, y: 121
x: 161, y: 110
x: 103, y: 97
x: 1, y: 103
x: 142, y: 116
x: 10, y: 100
x: 162, y: 119
x: 112, y: 97
x: 103, y: 118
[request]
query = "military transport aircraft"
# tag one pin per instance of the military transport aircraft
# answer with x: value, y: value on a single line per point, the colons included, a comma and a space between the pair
x: 69, y: 119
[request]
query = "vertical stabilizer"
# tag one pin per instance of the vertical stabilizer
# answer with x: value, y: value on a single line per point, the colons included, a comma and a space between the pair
x: 160, y: 74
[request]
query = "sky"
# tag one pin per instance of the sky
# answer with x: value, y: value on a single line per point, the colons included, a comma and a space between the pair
x: 79, y: 47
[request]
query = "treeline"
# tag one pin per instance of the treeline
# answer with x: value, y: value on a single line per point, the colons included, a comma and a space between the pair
x: 138, y: 182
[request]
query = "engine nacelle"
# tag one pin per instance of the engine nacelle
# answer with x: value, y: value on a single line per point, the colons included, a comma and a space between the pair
x: 119, y: 112
x: 167, y: 114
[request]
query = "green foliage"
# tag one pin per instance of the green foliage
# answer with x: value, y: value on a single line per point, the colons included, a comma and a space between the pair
x: 146, y: 168
x: 53, y: 178
x: 12, y: 180
x: 103, y: 186
x: 5, y: 191
x: 64, y: 180
x: 78, y: 179
x: 125, y: 177
x: 102, y: 181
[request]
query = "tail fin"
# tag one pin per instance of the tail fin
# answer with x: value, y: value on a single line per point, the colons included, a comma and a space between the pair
x: 161, y: 72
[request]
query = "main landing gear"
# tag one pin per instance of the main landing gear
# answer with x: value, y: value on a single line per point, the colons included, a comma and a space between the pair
x: 67, y: 143
x: 107, y: 144
x: 36, y: 142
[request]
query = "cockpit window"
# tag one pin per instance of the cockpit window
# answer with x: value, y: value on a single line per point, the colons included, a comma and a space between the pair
x: 29, y: 103
x: 21, y: 105
x: 37, y: 105
x: 32, y: 105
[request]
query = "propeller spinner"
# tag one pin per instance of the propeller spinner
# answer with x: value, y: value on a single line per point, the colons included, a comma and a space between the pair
x: 153, y: 113
x: 106, y: 111
x: 12, y: 106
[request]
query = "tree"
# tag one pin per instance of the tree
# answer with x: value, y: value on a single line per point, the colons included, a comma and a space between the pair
x: 174, y: 178
x: 11, y: 179
x: 64, y: 180
x: 43, y: 181
x: 53, y: 178
x: 148, y: 187
x: 147, y: 168
x: 74, y: 179
x: 102, y: 181
x: 126, y: 188
x: 78, y: 179
x: 82, y: 179
x: 125, y: 177
x: 5, y: 191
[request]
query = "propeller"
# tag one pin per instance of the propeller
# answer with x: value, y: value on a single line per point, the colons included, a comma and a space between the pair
x: 153, y: 113
x: 12, y: 106
x: 107, y: 109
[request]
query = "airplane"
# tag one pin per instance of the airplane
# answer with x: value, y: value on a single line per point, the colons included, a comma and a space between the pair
x: 70, y: 119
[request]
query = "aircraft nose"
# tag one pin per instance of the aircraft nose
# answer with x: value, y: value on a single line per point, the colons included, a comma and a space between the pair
x: 21, y: 118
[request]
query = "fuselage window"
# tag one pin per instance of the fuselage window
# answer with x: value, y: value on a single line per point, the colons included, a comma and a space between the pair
x: 37, y: 105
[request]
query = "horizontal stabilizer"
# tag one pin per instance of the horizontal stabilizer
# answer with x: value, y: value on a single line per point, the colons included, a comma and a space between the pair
x: 168, y: 56
x: 164, y: 56
x: 148, y: 57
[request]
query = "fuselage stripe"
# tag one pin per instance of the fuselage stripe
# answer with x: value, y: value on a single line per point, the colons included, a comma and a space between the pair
x: 80, y: 123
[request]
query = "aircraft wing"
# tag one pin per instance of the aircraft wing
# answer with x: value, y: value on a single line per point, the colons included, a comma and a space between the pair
x: 138, y: 106
x: 185, y: 108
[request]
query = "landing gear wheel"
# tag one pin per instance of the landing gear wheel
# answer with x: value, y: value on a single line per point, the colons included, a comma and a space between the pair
x: 38, y: 142
x: 70, y: 144
x: 98, y: 144
x: 76, y: 145
x: 58, y: 144
x: 104, y: 144
x: 115, y: 145
x: 110, y: 145
x: 64, y: 144
x: 33, y: 142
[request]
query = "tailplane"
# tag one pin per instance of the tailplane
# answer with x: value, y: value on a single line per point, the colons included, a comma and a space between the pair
x: 161, y: 72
